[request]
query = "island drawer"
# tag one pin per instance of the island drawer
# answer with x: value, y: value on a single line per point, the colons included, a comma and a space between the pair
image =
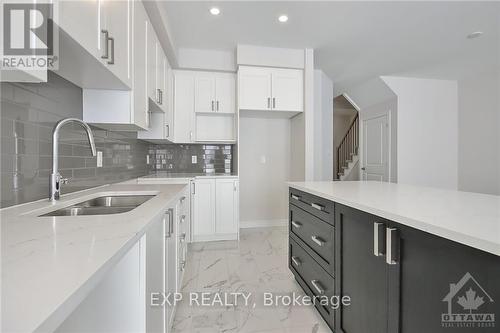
x: 319, y: 207
x: 312, y: 277
x: 317, y: 236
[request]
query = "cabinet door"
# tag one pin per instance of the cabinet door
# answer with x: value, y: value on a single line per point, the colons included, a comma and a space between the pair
x: 204, y: 207
x: 151, y: 61
x: 169, y: 95
x: 287, y: 89
x: 362, y: 275
x: 254, y: 88
x: 80, y: 20
x: 155, y: 279
x: 160, y: 75
x: 225, y: 101
x: 183, y: 107
x: 141, y: 115
x: 117, y: 21
x: 440, y: 278
x: 227, y: 206
x: 170, y: 266
x: 204, y: 93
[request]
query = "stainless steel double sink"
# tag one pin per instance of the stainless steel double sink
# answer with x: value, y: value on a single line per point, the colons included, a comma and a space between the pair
x: 109, y: 204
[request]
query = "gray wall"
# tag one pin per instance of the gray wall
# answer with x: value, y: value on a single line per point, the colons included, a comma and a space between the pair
x: 28, y: 114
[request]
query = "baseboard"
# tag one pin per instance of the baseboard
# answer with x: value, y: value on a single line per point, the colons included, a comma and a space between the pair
x: 263, y: 223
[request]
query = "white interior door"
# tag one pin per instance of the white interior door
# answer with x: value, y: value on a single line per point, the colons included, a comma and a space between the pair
x: 375, y: 149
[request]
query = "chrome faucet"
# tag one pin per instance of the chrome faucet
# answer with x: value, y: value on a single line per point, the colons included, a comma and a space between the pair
x: 55, y: 178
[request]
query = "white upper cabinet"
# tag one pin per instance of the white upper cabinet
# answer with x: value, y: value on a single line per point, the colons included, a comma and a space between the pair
x: 254, y: 87
x: 225, y: 87
x: 183, y: 106
x: 141, y: 112
x: 204, y: 87
x: 215, y: 92
x: 116, y: 18
x: 104, y: 30
x: 274, y: 89
x: 288, y: 90
x: 152, y: 43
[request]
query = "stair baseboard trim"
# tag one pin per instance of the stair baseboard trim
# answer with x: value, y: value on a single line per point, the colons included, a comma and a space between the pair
x: 263, y: 223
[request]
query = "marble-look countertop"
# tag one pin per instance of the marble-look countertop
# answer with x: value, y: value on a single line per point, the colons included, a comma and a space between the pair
x: 468, y: 218
x: 50, y: 264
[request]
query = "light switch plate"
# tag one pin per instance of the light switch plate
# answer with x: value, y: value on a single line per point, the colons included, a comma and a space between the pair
x: 99, y: 159
x: 194, y: 159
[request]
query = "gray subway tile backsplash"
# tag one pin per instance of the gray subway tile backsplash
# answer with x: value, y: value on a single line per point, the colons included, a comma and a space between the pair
x: 29, y: 112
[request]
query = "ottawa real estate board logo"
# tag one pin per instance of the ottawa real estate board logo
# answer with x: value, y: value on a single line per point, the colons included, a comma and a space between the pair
x: 469, y: 305
x: 30, y: 37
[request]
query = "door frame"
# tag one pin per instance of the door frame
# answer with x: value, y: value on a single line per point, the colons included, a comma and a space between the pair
x: 373, y: 115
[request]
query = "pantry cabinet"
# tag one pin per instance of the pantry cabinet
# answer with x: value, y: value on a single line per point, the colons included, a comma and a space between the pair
x: 215, y: 209
x: 271, y: 89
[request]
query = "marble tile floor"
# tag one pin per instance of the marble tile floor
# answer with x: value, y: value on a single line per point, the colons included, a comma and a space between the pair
x: 256, y: 264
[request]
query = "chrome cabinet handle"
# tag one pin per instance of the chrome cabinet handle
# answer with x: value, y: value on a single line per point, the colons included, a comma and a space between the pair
x: 274, y: 102
x: 318, y: 206
x: 161, y: 96
x: 213, y: 106
x: 182, y: 265
x: 183, y: 218
x: 168, y: 131
x: 317, y: 240
x: 269, y: 102
x: 295, y: 197
x: 318, y: 287
x: 392, y: 246
x: 296, y: 261
x: 217, y: 103
x: 378, y: 239
x: 296, y: 224
x: 158, y: 91
x: 106, y: 48
x: 182, y: 199
x: 168, y: 228
x: 112, y: 60
x: 182, y: 237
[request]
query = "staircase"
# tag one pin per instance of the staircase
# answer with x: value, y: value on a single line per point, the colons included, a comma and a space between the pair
x: 347, y: 153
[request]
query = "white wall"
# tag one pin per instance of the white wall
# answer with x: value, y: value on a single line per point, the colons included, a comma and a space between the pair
x: 478, y: 133
x: 264, y: 153
x: 427, y: 131
x: 215, y: 60
x: 323, y: 126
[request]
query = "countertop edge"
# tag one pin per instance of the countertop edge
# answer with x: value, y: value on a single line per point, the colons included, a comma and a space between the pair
x: 464, y: 239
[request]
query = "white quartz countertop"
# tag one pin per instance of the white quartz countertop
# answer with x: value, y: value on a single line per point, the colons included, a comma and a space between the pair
x: 468, y: 218
x: 185, y: 175
x: 49, y: 264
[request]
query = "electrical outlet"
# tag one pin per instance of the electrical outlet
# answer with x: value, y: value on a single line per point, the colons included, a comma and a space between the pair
x: 99, y: 159
x: 194, y: 159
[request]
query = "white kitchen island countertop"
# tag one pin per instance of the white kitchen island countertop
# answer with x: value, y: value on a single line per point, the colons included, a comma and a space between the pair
x: 468, y: 218
x: 50, y: 264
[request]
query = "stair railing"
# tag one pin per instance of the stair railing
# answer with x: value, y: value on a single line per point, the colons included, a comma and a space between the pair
x: 348, y: 147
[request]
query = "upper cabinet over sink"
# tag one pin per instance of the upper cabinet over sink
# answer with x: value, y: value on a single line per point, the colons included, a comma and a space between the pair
x: 271, y: 89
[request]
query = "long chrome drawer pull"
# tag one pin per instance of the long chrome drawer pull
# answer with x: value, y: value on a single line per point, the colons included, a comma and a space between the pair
x: 296, y: 224
x: 182, y: 237
x: 183, y: 218
x: 318, y: 206
x: 317, y: 240
x: 317, y: 286
x: 296, y: 261
x: 378, y: 239
x: 392, y: 246
x: 296, y: 197
x: 182, y: 199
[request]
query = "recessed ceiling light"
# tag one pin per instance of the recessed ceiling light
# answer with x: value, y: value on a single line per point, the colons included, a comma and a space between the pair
x: 283, y: 18
x: 214, y: 11
x: 474, y: 34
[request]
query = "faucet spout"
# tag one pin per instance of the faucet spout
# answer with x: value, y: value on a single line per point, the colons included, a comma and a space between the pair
x: 55, y: 178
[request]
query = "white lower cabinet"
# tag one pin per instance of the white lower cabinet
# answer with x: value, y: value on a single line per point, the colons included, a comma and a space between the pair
x: 215, y: 209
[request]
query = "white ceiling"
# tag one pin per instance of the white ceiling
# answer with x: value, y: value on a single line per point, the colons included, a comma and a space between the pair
x: 353, y: 41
